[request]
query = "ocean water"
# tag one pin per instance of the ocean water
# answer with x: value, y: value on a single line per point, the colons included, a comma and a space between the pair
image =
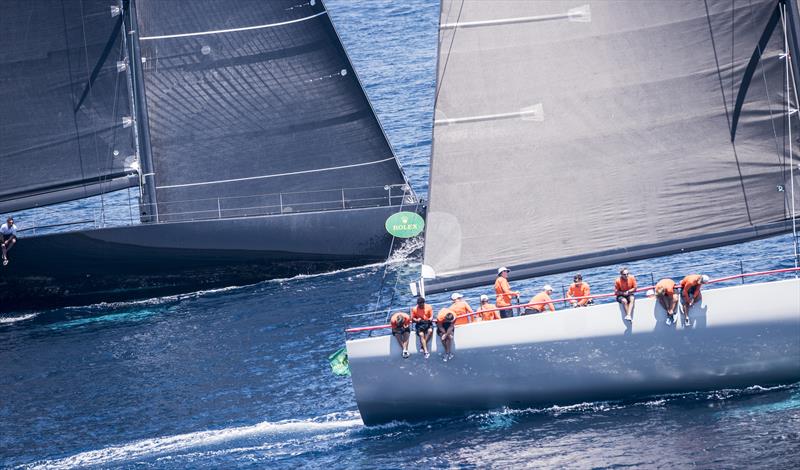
x: 239, y: 378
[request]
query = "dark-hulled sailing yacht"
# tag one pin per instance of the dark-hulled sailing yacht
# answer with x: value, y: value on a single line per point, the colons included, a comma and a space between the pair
x: 242, y: 125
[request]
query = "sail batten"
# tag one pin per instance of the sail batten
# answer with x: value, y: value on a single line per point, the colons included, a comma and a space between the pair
x: 634, y: 156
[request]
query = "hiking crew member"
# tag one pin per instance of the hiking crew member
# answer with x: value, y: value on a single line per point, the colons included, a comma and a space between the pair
x: 578, y: 288
x: 461, y: 309
x: 422, y: 317
x: 624, y: 288
x: 541, y: 301
x: 504, y: 293
x: 8, y: 237
x: 690, y: 292
x: 401, y: 330
x: 483, y: 315
x: 667, y: 297
x: 445, y: 327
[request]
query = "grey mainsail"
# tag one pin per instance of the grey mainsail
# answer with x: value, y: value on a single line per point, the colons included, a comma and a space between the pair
x: 254, y: 108
x: 571, y: 133
x: 63, y: 102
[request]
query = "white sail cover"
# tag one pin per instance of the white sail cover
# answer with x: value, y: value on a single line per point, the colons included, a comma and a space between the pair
x: 572, y: 133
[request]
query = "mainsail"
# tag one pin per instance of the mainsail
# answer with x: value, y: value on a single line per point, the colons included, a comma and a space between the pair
x: 254, y: 108
x: 64, y: 109
x: 570, y: 133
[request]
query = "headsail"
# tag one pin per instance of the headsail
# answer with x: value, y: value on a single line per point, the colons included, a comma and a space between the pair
x: 254, y: 108
x: 571, y: 133
x: 63, y: 102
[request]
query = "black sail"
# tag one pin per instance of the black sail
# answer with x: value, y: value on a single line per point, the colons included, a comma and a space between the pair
x: 254, y: 108
x: 63, y: 101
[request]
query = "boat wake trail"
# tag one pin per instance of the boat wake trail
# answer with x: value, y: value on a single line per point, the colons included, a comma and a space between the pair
x: 9, y: 320
x: 160, y: 446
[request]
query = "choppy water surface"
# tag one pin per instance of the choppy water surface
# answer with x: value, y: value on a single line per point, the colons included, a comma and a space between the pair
x: 239, y: 378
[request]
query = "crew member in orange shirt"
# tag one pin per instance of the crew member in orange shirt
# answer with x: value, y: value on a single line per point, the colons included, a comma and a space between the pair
x: 401, y: 330
x: 541, y: 301
x: 483, y: 314
x: 461, y: 309
x: 667, y: 297
x: 422, y: 317
x: 504, y: 293
x: 578, y: 288
x: 445, y: 328
x: 624, y: 289
x: 690, y: 292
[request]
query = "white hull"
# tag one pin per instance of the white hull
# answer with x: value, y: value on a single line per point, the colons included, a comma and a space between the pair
x: 739, y: 336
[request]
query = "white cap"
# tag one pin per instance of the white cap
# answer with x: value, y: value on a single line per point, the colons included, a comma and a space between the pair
x: 455, y: 296
x: 501, y: 269
x: 704, y: 279
x: 548, y: 287
x: 484, y: 297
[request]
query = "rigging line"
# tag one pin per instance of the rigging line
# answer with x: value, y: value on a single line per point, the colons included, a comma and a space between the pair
x: 789, y: 125
x: 249, y: 178
x: 727, y: 115
x: 386, y: 266
x: 232, y: 30
x: 447, y: 57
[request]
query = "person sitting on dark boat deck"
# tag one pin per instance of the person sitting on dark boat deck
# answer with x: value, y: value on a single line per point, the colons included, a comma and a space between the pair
x: 624, y: 289
x: 445, y: 328
x: 461, y: 309
x: 667, y: 297
x: 8, y: 237
x: 690, y: 292
x: 578, y: 288
x: 401, y: 330
x: 504, y: 293
x: 422, y: 317
x: 541, y: 301
x: 487, y: 311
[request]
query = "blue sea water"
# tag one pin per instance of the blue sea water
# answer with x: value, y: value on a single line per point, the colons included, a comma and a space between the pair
x: 238, y: 377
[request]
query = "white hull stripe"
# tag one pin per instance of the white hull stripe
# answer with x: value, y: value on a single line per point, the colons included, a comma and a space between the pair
x: 250, y: 178
x: 233, y: 30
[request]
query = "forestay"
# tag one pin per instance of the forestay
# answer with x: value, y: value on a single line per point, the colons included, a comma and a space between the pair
x: 254, y: 108
x: 63, y: 100
x: 573, y: 133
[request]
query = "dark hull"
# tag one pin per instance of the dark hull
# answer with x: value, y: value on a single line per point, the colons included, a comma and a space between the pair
x: 143, y: 261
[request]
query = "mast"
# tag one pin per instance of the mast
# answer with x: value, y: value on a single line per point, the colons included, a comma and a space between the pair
x: 147, y: 205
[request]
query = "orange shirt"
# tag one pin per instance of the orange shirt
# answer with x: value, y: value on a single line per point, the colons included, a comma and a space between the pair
x: 400, y: 318
x: 579, y: 290
x: 486, y: 316
x: 688, y: 282
x: 440, y: 318
x: 668, y: 285
x: 460, y: 307
x: 542, y: 297
x: 625, y: 284
x: 503, y: 291
x: 423, y: 314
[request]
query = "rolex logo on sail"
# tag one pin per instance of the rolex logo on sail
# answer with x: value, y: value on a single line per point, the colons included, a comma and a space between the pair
x: 405, y: 224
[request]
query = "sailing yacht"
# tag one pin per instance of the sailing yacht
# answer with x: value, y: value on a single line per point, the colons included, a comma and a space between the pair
x: 571, y: 134
x: 241, y: 127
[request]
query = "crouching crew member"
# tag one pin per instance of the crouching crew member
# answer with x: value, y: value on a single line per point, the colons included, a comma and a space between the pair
x: 401, y: 330
x: 667, y: 297
x: 579, y: 289
x: 461, y: 309
x: 690, y: 292
x: 422, y: 317
x: 445, y: 327
x: 541, y: 301
x: 8, y: 238
x: 487, y: 311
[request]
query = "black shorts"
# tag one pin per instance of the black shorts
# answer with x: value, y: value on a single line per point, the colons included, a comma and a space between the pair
x: 401, y: 330
x: 443, y: 327
x: 532, y: 311
x: 690, y: 292
x: 8, y: 237
x: 424, y: 326
x: 627, y: 297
